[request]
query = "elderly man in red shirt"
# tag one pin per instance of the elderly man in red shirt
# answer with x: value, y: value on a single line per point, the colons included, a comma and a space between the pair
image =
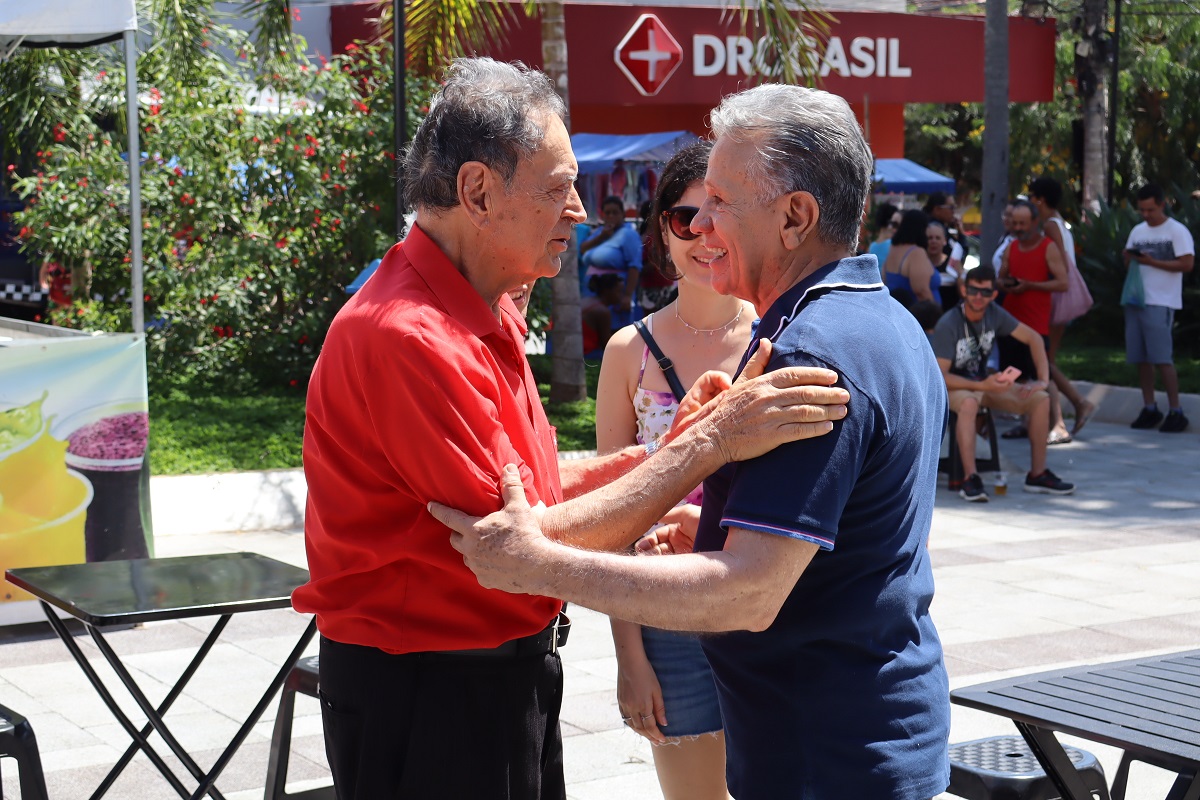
x: 1031, y: 270
x: 432, y: 686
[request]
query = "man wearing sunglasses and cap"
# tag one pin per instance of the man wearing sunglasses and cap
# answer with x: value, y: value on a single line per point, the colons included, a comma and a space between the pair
x: 962, y: 342
x: 812, y: 559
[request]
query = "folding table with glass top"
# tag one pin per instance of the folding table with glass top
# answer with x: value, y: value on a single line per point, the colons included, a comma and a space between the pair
x: 106, y: 594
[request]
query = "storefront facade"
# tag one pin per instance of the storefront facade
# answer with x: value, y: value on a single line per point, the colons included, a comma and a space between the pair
x: 645, y: 68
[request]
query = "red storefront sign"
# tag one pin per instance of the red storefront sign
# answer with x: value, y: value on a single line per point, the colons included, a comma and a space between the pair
x: 888, y: 58
x: 876, y: 61
x: 648, y: 55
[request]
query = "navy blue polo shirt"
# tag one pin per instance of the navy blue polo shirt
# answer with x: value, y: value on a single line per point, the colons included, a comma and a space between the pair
x: 846, y: 694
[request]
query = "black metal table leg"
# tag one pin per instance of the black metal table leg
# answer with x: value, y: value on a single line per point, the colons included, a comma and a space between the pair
x: 154, y: 717
x: 273, y: 689
x: 167, y: 702
x: 107, y: 697
x: 1186, y: 787
x: 1054, y: 760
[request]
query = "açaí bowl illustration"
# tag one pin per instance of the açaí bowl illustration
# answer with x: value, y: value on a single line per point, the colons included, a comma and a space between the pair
x: 107, y: 438
x: 107, y: 443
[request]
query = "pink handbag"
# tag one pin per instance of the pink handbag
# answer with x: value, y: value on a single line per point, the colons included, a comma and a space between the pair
x: 1074, y: 302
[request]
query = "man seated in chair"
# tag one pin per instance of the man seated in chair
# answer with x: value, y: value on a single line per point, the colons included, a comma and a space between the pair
x: 962, y: 342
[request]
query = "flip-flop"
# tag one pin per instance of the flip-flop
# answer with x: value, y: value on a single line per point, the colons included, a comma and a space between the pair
x: 1081, y: 419
x: 1058, y: 438
x: 1018, y: 432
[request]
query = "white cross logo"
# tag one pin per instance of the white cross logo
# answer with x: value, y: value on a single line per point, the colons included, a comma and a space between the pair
x: 661, y: 55
x: 651, y: 54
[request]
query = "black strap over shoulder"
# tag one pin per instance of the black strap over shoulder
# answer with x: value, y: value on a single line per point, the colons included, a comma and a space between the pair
x: 664, y: 363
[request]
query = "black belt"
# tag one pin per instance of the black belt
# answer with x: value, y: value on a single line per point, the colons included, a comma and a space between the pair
x: 552, y: 637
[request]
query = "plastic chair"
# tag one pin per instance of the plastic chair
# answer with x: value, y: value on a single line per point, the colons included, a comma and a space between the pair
x: 952, y: 463
x: 1003, y: 768
x: 303, y: 679
x: 18, y: 742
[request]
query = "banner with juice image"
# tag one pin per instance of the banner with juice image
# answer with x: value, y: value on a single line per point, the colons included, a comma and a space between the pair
x: 74, y: 481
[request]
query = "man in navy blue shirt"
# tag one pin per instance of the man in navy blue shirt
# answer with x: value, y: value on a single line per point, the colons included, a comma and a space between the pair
x: 812, y: 558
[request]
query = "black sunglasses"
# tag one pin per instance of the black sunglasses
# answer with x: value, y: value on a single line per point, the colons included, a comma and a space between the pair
x: 679, y: 219
x: 980, y: 292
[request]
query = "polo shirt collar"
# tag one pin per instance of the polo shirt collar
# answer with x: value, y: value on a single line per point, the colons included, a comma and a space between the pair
x: 455, y: 294
x: 857, y: 273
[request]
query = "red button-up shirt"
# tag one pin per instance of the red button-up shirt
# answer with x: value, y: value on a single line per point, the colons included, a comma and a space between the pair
x: 419, y: 394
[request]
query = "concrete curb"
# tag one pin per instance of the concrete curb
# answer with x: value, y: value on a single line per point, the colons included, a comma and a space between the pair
x: 274, y: 500
x: 229, y: 501
x: 1121, y: 404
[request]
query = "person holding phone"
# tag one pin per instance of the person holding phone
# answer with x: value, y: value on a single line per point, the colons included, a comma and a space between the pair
x: 962, y: 342
x: 1163, y: 249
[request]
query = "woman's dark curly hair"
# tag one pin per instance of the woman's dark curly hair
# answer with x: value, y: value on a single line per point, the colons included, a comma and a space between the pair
x: 685, y: 168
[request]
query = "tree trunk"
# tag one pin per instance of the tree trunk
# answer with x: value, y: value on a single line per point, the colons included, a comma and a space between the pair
x: 1091, y: 74
x: 567, y: 380
x: 995, y: 127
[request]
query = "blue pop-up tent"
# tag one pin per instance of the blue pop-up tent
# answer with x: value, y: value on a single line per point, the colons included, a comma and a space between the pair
x: 598, y: 152
x: 902, y: 176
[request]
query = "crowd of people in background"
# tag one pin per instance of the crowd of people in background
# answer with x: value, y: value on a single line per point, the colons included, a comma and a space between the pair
x: 927, y: 261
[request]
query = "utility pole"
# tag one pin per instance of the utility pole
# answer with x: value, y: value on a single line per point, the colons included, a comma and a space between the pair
x: 995, y: 126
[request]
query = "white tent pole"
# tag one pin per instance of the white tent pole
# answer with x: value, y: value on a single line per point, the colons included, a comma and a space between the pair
x: 135, y: 182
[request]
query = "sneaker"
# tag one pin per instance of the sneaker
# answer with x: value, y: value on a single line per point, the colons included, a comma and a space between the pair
x: 1149, y: 418
x: 972, y: 489
x: 1048, y: 483
x: 1175, y: 422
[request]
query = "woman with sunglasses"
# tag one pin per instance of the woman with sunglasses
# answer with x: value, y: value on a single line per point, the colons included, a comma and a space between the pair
x: 665, y: 690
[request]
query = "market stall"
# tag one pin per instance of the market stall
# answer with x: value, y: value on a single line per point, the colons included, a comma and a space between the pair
x: 623, y: 165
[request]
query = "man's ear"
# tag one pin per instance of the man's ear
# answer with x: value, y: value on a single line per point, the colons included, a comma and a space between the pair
x: 476, y: 184
x: 801, y: 215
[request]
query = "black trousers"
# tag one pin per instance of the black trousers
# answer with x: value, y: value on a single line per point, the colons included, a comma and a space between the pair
x: 429, y: 725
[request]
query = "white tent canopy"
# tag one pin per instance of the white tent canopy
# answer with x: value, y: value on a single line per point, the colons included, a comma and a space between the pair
x: 67, y: 23
x: 80, y: 23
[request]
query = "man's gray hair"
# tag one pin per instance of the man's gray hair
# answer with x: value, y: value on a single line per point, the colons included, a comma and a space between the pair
x: 486, y: 111
x: 807, y: 141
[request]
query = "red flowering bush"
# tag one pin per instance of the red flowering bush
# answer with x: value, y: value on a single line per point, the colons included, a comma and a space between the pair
x: 255, y: 216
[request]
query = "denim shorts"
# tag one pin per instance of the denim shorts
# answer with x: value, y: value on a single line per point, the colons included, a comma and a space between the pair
x: 689, y: 690
x: 1148, y: 335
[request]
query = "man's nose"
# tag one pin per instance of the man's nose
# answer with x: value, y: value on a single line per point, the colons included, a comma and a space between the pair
x: 574, y: 208
x: 703, y: 221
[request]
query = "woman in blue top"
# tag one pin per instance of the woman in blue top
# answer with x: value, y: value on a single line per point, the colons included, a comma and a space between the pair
x: 887, y: 220
x: 614, y: 248
x: 907, y: 271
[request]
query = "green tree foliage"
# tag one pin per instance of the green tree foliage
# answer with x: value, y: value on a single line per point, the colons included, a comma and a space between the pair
x: 1158, y: 125
x: 254, y: 221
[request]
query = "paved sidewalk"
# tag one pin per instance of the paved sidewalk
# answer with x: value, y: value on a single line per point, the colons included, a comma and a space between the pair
x: 1024, y: 583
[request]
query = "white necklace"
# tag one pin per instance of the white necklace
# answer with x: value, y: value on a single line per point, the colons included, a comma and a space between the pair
x: 697, y: 331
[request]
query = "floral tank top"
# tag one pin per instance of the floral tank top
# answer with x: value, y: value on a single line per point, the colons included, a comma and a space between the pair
x: 655, y: 411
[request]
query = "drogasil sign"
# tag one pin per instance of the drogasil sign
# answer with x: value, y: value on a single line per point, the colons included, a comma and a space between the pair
x: 649, y: 55
x: 866, y: 57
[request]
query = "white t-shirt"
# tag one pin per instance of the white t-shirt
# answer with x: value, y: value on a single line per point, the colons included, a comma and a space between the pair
x: 1164, y: 242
